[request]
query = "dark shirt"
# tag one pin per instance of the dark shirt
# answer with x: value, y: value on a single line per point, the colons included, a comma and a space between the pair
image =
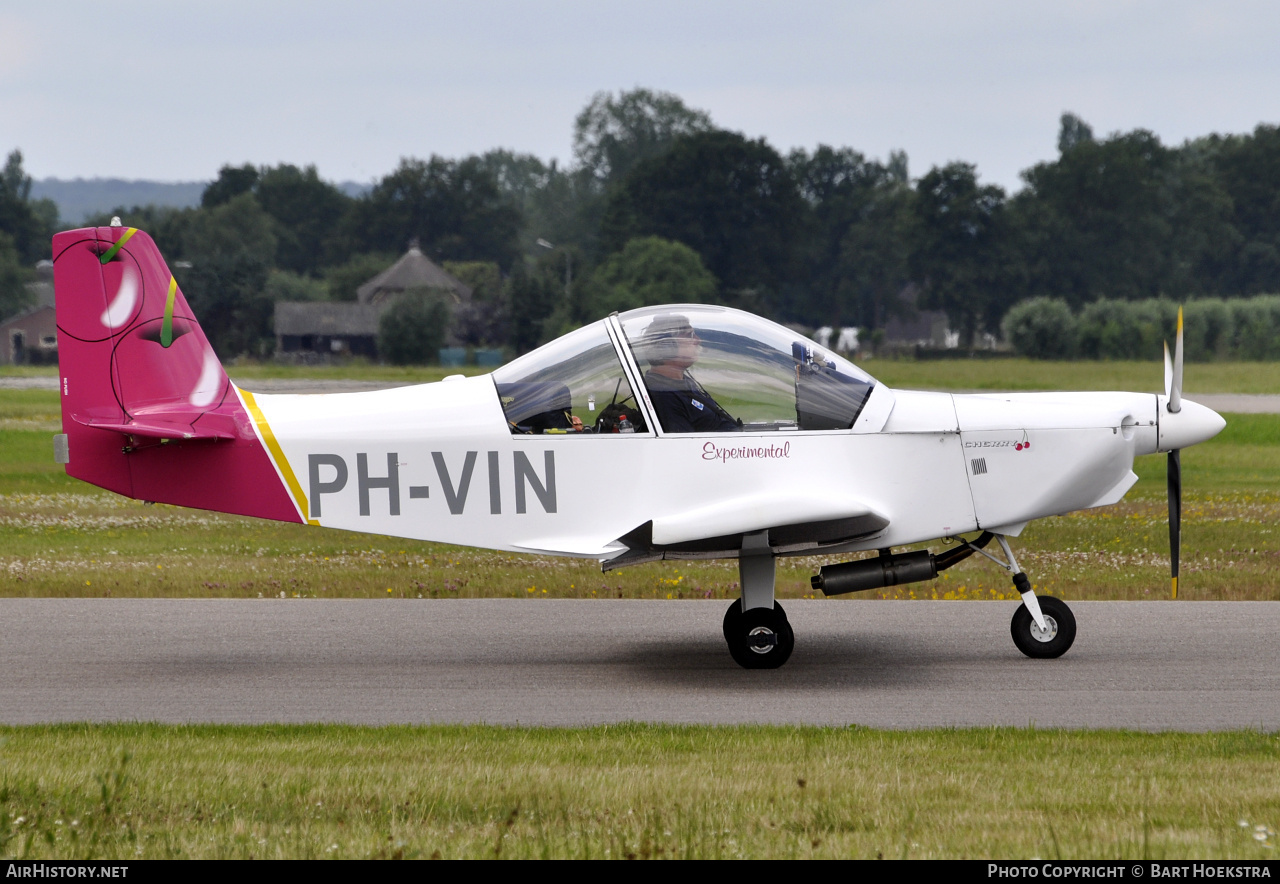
x: 684, y: 407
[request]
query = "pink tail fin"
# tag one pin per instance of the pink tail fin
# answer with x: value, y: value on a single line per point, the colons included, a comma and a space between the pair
x: 146, y: 406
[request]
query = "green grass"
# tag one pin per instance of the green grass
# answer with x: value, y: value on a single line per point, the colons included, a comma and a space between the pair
x: 30, y: 410
x: 147, y: 791
x: 28, y: 371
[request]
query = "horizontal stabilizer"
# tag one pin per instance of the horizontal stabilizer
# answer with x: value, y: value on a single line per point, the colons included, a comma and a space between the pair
x: 177, y: 424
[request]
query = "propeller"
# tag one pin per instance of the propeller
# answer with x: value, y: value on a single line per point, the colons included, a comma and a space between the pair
x: 1173, y: 392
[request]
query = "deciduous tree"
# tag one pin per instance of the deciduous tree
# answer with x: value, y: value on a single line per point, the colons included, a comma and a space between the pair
x: 308, y: 213
x: 856, y: 239
x: 230, y: 183
x: 730, y: 199
x: 231, y: 249
x: 612, y: 135
x: 961, y: 255
x: 413, y: 329
x: 648, y: 270
x: 453, y: 207
x: 28, y: 223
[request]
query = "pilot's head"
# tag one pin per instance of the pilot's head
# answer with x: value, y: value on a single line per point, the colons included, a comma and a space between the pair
x: 669, y: 339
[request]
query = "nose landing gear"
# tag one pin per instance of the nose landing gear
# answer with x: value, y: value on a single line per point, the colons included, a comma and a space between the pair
x: 1054, y: 639
x: 1043, y: 627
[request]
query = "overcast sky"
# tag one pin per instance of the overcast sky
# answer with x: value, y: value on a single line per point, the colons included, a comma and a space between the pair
x: 158, y: 90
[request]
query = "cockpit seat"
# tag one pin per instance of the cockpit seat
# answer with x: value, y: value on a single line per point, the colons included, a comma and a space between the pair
x: 534, y: 407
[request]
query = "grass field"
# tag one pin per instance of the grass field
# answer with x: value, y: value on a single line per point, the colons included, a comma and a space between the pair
x: 633, y: 791
x: 129, y: 791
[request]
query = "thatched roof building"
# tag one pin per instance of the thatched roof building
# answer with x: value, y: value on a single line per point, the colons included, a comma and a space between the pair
x: 414, y: 270
x: 342, y: 327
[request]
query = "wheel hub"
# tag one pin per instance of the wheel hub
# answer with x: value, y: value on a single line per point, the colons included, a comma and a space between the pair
x: 1049, y: 633
x: 762, y: 640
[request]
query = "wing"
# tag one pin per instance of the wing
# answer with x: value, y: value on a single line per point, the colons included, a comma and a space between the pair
x: 794, y: 522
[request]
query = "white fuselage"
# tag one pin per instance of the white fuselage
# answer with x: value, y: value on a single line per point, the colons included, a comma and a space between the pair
x: 438, y: 462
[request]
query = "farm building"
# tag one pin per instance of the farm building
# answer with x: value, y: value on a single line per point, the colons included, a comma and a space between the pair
x: 328, y: 328
x: 30, y: 338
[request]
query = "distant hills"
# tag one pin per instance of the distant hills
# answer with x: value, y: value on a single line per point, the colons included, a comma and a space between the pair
x: 78, y: 198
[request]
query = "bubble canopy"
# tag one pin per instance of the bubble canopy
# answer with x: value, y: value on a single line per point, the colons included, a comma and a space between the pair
x: 761, y: 373
x: 702, y: 369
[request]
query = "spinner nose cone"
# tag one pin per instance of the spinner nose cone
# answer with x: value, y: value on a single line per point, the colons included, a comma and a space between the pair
x: 1192, y: 425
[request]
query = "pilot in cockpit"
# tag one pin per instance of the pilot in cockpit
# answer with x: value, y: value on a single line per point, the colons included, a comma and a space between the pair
x: 671, y: 345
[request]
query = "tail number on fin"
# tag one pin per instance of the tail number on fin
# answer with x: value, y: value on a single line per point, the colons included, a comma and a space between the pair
x: 330, y: 473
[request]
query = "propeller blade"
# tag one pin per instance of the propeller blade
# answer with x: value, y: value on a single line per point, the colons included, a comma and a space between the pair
x: 1168, y: 371
x: 1175, y: 514
x: 1175, y: 388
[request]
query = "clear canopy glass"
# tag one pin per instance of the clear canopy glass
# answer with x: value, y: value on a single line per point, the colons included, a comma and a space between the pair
x: 756, y: 372
x: 705, y: 369
x: 576, y: 376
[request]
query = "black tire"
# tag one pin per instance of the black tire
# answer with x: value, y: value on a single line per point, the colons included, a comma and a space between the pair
x: 734, y: 613
x: 731, y: 618
x: 1062, y: 629
x: 760, y: 638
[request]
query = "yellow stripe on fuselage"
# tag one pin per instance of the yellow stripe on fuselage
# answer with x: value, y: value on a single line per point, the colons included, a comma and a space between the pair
x: 282, y: 464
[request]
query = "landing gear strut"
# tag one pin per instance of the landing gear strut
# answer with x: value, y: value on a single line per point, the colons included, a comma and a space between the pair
x: 1043, y: 627
x: 755, y: 627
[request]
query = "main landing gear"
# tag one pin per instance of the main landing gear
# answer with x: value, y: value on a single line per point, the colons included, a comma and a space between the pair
x: 755, y: 626
x: 760, y: 638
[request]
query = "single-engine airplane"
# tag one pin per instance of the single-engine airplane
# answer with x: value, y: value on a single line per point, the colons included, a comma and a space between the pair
x: 675, y: 432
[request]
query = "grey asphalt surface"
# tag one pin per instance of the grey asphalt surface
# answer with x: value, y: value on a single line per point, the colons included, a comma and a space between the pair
x: 1193, y: 666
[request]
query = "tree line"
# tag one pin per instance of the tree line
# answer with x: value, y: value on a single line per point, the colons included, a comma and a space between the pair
x: 660, y: 204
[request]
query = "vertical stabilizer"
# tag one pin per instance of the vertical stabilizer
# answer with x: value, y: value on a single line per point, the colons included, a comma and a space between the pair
x: 147, y: 408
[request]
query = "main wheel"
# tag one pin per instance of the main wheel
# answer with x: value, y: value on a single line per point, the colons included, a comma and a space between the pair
x: 760, y: 638
x: 731, y: 618
x: 1047, y: 643
x: 734, y: 614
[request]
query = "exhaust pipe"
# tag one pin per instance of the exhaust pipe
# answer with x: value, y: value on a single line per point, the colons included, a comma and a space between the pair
x: 891, y: 570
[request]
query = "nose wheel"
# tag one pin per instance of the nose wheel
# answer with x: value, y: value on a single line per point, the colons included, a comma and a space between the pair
x: 1054, y: 639
x: 760, y: 638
